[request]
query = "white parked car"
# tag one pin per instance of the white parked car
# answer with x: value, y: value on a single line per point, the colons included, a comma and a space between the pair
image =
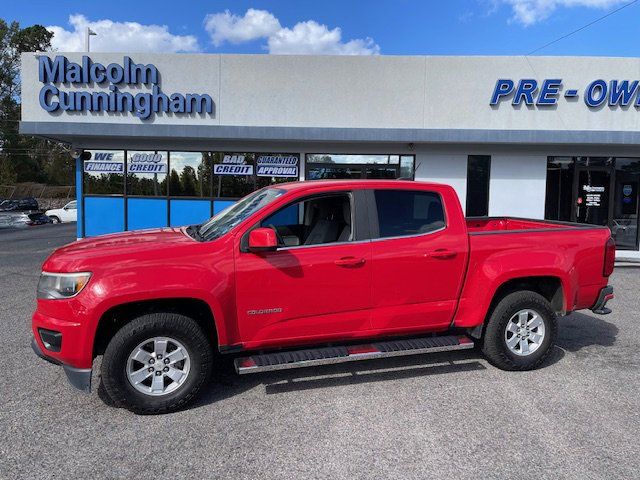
x: 68, y: 213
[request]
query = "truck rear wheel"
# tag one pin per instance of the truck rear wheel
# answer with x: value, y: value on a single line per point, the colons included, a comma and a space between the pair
x: 520, y: 332
x: 157, y: 363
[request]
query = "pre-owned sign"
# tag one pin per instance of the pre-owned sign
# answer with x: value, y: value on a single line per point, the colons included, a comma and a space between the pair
x: 547, y: 92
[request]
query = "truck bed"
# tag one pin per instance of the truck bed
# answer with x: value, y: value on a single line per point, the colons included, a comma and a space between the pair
x: 501, y: 248
x: 513, y: 224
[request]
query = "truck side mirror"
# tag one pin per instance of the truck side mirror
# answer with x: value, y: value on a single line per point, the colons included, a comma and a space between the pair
x: 263, y: 240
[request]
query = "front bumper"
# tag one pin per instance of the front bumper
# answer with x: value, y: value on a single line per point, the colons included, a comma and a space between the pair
x: 79, y: 378
x: 600, y: 306
x: 75, y: 345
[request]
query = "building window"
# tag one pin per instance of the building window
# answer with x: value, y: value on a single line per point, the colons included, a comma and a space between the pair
x: 407, y: 166
x: 190, y: 174
x: 147, y: 173
x: 594, y: 161
x: 104, y: 173
x: 322, y: 166
x: 559, y: 195
x: 624, y: 227
x: 403, y: 212
x: 275, y: 168
x: 478, y: 174
x: 238, y: 174
x: 233, y: 174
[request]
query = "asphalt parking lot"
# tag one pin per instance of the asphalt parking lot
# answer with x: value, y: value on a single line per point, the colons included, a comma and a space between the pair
x: 434, y: 416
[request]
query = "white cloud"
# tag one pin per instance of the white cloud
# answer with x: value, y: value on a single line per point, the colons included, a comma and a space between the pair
x: 119, y: 37
x: 227, y: 27
x: 308, y: 37
x: 313, y: 38
x: 528, y: 12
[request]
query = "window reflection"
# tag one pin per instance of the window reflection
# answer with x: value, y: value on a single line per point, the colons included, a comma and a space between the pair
x: 275, y: 168
x: 356, y: 159
x: 354, y: 166
x: 407, y: 168
x: 559, y: 194
x: 104, y: 173
x: 147, y: 173
x: 191, y: 174
x: 615, y: 205
x: 226, y: 183
x: 624, y: 228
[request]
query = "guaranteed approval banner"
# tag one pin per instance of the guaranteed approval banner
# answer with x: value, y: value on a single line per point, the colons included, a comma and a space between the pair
x: 279, y: 165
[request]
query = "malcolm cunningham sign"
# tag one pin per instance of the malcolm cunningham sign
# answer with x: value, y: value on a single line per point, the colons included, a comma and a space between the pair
x: 54, y: 73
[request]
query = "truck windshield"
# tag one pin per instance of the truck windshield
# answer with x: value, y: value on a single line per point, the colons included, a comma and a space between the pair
x: 231, y: 216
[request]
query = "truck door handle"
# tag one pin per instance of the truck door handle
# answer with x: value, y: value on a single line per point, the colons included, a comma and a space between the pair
x: 349, y: 262
x: 443, y: 253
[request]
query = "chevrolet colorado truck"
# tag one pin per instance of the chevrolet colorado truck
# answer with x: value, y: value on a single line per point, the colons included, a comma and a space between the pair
x: 308, y: 273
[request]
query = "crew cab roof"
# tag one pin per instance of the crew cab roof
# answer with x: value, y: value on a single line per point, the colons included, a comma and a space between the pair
x: 356, y: 184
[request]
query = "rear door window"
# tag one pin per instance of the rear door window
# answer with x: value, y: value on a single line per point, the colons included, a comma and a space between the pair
x: 406, y: 212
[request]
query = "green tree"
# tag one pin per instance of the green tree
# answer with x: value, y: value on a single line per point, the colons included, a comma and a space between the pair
x: 188, y: 180
x: 7, y: 172
x: 58, y: 168
x: 174, y: 183
x: 24, y: 158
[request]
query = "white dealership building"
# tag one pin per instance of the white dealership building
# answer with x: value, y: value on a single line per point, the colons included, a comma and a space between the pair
x: 175, y: 138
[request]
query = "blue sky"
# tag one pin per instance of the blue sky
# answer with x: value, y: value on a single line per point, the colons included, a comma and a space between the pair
x: 399, y: 27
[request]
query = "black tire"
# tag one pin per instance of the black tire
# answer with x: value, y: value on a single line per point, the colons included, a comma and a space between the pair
x: 54, y: 219
x: 494, y: 344
x: 124, y: 342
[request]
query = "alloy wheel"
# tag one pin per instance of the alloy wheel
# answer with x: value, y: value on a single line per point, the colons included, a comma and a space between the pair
x: 158, y: 366
x: 524, y: 332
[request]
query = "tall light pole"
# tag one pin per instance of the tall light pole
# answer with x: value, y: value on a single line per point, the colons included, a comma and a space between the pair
x: 88, y: 34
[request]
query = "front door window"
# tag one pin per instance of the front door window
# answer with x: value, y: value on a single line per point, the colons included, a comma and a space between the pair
x: 315, y: 220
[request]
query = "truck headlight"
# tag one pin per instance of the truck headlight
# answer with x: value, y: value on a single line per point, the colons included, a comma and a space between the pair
x: 62, y: 285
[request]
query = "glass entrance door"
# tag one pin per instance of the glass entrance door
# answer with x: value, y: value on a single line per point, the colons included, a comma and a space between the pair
x: 592, y: 192
x: 599, y: 191
x: 624, y: 227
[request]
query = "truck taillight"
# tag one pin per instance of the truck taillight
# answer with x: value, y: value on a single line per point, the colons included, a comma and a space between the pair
x: 609, y: 257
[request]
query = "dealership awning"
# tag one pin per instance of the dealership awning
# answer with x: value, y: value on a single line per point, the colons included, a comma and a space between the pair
x: 87, y: 134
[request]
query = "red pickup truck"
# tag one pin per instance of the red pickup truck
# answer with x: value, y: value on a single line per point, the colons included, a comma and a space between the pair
x: 308, y: 273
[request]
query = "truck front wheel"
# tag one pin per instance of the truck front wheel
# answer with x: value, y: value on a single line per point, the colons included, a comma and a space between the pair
x: 520, y: 332
x: 157, y: 363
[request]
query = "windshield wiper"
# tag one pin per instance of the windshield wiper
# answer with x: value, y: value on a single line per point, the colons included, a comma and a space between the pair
x: 194, y: 231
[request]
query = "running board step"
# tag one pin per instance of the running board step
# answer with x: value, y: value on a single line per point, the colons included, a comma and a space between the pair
x: 350, y: 353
